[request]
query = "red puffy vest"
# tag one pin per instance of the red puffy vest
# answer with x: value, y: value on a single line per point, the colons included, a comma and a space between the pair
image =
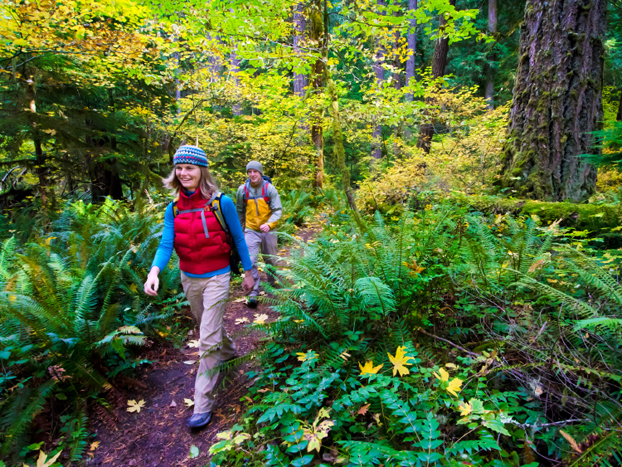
x: 198, y: 254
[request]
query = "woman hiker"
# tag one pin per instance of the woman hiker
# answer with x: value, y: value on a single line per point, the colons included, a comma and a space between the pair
x: 192, y: 225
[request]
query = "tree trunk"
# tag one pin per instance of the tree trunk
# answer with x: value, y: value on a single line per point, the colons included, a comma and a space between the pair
x: 318, y: 38
x: 411, y: 37
x: 439, y: 63
x: 340, y: 154
x: 557, y: 100
x: 300, y: 24
x: 492, y: 29
x: 619, y: 117
x: 376, y: 146
x: 41, y: 169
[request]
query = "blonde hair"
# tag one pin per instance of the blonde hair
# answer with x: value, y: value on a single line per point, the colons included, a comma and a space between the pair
x: 207, y: 183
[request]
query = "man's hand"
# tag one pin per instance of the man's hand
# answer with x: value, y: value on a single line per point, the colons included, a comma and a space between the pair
x: 152, y: 283
x: 265, y: 228
x: 249, y: 282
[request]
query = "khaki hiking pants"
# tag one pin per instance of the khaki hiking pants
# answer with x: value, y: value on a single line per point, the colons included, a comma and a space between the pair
x: 206, y: 297
x: 266, y: 242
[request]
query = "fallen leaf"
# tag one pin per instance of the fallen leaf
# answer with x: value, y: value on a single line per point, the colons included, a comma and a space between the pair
x: 188, y: 402
x: 369, y: 369
x: 363, y: 410
x: 250, y: 401
x: 43, y: 459
x: 376, y: 417
x: 400, y: 361
x: 190, y: 362
x: 454, y: 386
x: 465, y: 409
x: 260, y: 319
x: 240, y: 300
x: 134, y: 406
x: 173, y: 404
x: 194, y: 344
x: 241, y: 320
x: 444, y: 375
x: 94, y: 445
x: 194, y: 452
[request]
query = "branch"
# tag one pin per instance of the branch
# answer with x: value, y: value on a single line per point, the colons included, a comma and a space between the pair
x: 449, y: 342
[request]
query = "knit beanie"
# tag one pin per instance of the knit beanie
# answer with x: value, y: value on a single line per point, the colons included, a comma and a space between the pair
x: 190, y: 155
x: 254, y: 165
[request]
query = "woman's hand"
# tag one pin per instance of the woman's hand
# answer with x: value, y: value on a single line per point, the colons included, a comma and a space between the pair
x: 248, y: 283
x: 152, y: 282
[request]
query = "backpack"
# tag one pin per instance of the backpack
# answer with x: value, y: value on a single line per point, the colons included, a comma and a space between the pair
x: 215, y: 202
x: 264, y: 189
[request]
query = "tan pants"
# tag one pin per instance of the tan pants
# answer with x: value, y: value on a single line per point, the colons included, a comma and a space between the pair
x: 206, y: 302
x: 267, y: 243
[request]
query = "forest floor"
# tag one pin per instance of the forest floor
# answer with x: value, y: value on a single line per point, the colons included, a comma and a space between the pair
x: 159, y: 435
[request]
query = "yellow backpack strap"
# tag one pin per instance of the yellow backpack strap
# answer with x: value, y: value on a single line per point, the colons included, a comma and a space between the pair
x: 175, y: 210
x: 216, y: 204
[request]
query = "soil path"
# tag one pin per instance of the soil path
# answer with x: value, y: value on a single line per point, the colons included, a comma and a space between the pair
x: 158, y: 435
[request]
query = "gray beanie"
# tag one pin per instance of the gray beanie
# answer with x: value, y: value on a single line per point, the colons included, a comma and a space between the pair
x: 255, y: 166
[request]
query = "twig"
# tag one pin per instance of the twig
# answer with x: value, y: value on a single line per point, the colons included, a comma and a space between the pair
x: 449, y: 342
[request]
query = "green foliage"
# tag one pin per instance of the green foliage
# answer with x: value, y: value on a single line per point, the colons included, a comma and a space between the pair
x: 72, y: 317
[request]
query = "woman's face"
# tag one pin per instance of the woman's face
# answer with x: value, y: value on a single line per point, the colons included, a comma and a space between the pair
x: 188, y: 175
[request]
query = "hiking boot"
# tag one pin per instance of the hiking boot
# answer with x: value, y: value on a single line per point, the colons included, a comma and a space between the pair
x: 251, y: 302
x: 199, y: 420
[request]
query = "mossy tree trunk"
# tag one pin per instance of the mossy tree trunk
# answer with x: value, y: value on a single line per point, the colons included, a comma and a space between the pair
x: 557, y: 100
x: 439, y: 64
x: 619, y: 117
x: 318, y: 37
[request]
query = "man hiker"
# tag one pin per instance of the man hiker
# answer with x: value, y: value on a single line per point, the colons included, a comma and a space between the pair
x: 259, y: 208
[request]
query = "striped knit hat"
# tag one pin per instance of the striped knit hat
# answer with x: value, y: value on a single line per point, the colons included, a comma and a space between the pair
x: 190, y: 155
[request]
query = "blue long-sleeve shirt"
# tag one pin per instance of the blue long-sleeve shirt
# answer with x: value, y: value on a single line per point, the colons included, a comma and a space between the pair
x: 165, y: 249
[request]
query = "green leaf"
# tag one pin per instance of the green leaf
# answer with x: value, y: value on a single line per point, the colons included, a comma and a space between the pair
x: 194, y: 452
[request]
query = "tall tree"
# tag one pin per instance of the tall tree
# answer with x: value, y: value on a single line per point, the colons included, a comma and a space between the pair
x: 557, y: 100
x: 492, y: 29
x: 318, y: 38
x: 439, y: 64
x: 300, y: 80
x: 411, y: 38
x: 378, y: 67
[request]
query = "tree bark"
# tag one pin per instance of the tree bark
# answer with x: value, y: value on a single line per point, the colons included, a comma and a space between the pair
x: 318, y: 38
x: 41, y: 169
x: 411, y: 37
x: 376, y: 145
x: 439, y: 63
x: 492, y: 29
x: 340, y: 154
x: 300, y: 24
x: 619, y: 117
x: 236, y: 108
x: 557, y: 100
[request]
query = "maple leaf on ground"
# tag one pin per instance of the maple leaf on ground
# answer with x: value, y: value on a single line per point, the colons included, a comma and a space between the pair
x: 193, y: 344
x: 369, y: 369
x: 43, y: 460
x: 465, y: 409
x: 444, y: 375
x: 134, y: 406
x: 94, y: 445
x: 363, y: 410
x: 454, y: 386
x: 188, y: 402
x: 260, y: 319
x: 400, y: 361
x: 241, y: 320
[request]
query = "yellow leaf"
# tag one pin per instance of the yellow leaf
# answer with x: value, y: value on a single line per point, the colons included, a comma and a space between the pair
x: 260, y: 319
x: 94, y: 445
x: 369, y: 368
x: 465, y: 409
x: 188, y: 402
x: 134, y: 406
x: 400, y: 361
x: 193, y: 344
x: 454, y: 386
x: 43, y: 461
x: 301, y: 356
x: 444, y: 375
x: 133, y: 288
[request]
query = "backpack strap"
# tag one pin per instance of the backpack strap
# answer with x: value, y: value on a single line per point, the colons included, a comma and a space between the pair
x: 175, y: 210
x: 217, y: 209
x: 264, y: 191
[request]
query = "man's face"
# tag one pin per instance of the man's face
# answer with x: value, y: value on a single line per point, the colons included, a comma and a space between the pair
x: 254, y: 175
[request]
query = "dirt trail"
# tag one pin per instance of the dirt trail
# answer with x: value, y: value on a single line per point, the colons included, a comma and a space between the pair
x: 158, y: 435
